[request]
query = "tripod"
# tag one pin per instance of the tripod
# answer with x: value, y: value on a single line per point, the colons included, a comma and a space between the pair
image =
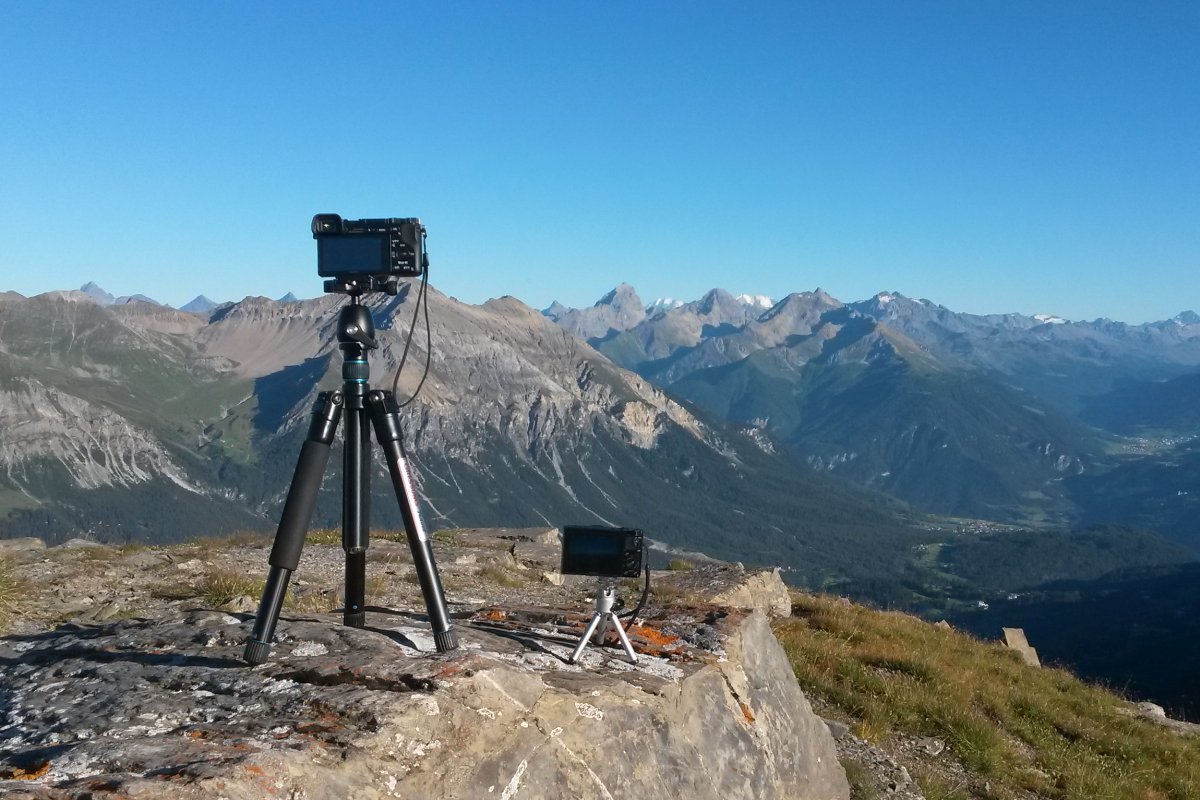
x: 606, y: 597
x: 356, y: 401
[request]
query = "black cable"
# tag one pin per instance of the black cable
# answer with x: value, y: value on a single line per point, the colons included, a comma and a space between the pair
x: 641, y: 602
x: 422, y: 301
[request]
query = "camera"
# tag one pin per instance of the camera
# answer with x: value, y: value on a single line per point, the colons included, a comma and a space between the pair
x: 602, y: 551
x: 369, y: 251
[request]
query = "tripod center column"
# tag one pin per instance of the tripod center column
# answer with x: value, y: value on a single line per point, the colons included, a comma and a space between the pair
x: 356, y: 337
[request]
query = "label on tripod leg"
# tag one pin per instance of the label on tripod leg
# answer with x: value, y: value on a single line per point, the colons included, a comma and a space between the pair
x: 410, y: 498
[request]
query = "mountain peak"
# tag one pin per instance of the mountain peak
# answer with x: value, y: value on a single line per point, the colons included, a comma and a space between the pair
x: 619, y: 310
x: 125, y: 299
x: 1188, y: 318
x: 621, y: 296
x: 887, y: 298
x: 96, y: 293
x: 200, y: 304
x: 555, y: 310
x: 714, y: 298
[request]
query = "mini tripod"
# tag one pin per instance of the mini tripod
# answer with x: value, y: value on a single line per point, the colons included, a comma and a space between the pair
x: 606, y: 597
x: 356, y: 400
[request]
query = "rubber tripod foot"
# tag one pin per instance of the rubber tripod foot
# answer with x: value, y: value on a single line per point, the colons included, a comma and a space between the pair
x: 256, y: 652
x: 445, y: 641
x: 357, y: 619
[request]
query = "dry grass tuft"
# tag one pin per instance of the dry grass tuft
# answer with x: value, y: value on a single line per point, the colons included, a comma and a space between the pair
x: 323, y: 536
x: 11, y: 591
x: 498, y: 574
x: 1018, y: 728
x: 236, y: 539
x: 222, y: 585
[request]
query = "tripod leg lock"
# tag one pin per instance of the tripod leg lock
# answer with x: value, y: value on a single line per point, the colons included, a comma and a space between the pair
x: 385, y: 413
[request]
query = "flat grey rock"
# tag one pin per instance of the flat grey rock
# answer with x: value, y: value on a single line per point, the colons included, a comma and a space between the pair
x: 151, y: 708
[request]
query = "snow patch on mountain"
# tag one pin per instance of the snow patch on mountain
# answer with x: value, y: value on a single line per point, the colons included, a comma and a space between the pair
x: 663, y: 304
x: 756, y: 300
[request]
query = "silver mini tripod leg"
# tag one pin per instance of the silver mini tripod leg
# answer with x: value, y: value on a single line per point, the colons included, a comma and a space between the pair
x: 605, y: 598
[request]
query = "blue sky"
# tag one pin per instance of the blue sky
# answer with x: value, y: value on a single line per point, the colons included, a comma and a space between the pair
x: 990, y: 156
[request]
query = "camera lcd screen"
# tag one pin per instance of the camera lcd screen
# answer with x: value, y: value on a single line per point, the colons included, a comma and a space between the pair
x: 357, y: 254
x: 613, y: 552
x: 590, y: 545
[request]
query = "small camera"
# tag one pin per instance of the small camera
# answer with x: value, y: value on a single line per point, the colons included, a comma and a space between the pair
x: 369, y: 251
x: 602, y: 551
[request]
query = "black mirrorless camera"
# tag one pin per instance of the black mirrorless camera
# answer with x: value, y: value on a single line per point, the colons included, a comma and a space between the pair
x: 602, y: 551
x: 370, y: 254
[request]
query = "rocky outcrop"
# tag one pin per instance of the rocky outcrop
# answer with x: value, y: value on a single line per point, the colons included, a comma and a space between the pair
x: 141, y: 708
x: 95, y: 445
x: 762, y: 591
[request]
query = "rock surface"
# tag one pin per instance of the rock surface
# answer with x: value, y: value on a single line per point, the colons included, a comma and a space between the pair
x: 141, y: 708
x: 761, y: 591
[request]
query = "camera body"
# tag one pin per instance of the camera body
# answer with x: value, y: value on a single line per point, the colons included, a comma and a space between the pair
x: 369, y: 252
x: 606, y: 552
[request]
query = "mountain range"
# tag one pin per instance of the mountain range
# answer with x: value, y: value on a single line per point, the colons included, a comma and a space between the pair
x: 199, y: 303
x: 140, y: 422
x: 1030, y: 420
x: 850, y: 443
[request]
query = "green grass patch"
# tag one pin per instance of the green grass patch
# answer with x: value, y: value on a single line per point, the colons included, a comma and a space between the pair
x: 448, y: 537
x: 1016, y: 728
x: 680, y: 565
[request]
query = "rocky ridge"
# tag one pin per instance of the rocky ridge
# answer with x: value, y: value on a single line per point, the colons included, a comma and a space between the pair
x: 143, y: 688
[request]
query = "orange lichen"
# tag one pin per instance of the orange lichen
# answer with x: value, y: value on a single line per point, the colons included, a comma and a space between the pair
x: 746, y: 712
x: 654, y: 642
x: 653, y: 636
x: 19, y: 774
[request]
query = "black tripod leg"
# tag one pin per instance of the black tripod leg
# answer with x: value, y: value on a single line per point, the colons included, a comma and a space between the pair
x: 356, y: 508
x: 385, y: 415
x: 293, y: 524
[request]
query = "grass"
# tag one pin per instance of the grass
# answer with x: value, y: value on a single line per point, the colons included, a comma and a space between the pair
x: 680, y: 565
x: 1015, y: 728
x: 502, y: 576
x: 311, y: 601
x: 10, y: 594
x: 324, y: 536
x: 236, y: 539
x: 333, y: 536
x: 222, y: 585
x: 448, y: 537
x: 859, y: 778
x: 667, y: 593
